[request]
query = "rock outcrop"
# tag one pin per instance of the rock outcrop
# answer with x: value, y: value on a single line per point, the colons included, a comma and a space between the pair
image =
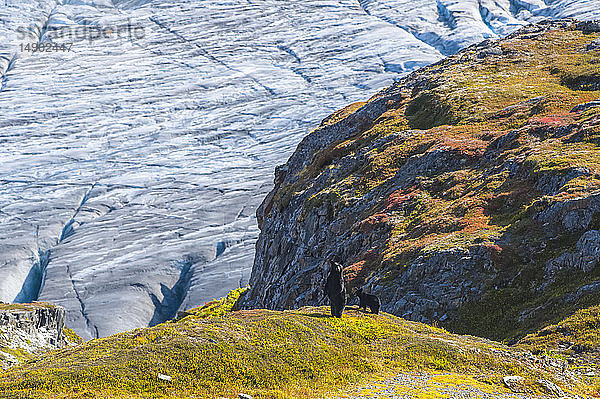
x: 28, y: 329
x: 467, y: 193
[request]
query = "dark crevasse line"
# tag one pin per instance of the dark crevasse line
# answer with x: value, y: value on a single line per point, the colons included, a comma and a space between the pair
x: 291, y: 52
x: 516, y: 6
x: 12, y: 60
x: 485, y: 17
x: 397, y: 68
x: 298, y: 72
x: 67, y: 231
x: 3, y: 82
x: 34, y: 282
x: 44, y: 27
x: 221, y: 247
x: 172, y: 297
x: 296, y: 69
x: 92, y: 328
x: 436, y: 44
x: 165, y: 309
x: 445, y: 15
x: 209, y: 56
x: 4, y: 75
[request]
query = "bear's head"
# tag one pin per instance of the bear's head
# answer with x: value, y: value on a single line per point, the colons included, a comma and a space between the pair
x: 335, y: 267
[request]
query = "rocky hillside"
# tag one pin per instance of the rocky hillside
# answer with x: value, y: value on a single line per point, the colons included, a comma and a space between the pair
x: 30, y: 329
x: 212, y: 352
x: 576, y: 339
x: 468, y: 193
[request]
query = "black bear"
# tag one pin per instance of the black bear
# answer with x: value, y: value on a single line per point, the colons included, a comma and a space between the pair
x: 369, y: 300
x: 335, y: 289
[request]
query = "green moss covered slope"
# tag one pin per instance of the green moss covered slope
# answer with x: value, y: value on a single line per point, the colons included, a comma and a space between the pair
x: 213, y: 352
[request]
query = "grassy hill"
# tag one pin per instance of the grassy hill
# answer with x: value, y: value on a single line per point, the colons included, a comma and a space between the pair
x: 214, y: 352
x: 575, y: 339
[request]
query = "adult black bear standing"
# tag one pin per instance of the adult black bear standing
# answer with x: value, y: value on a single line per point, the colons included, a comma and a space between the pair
x: 335, y: 289
x: 368, y: 300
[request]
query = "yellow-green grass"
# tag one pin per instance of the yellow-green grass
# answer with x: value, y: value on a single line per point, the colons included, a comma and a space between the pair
x: 577, y: 334
x: 577, y: 339
x: 26, y: 306
x: 268, y: 354
x: 342, y: 113
x: 20, y: 355
x: 72, y: 337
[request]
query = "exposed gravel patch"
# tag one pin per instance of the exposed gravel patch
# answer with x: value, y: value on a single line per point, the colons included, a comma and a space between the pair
x: 443, y: 385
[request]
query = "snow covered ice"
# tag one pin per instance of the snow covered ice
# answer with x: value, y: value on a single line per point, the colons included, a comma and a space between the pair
x: 131, y: 166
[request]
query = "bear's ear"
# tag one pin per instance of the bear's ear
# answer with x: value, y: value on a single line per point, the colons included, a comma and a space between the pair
x: 335, y: 264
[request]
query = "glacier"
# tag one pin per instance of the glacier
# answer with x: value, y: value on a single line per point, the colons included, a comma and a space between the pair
x: 132, y: 165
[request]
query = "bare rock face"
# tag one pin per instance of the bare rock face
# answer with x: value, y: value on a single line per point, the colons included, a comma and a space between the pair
x: 28, y: 329
x: 465, y: 194
x: 585, y: 257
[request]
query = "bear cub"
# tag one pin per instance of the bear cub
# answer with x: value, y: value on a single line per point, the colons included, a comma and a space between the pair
x: 335, y: 289
x: 369, y: 300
